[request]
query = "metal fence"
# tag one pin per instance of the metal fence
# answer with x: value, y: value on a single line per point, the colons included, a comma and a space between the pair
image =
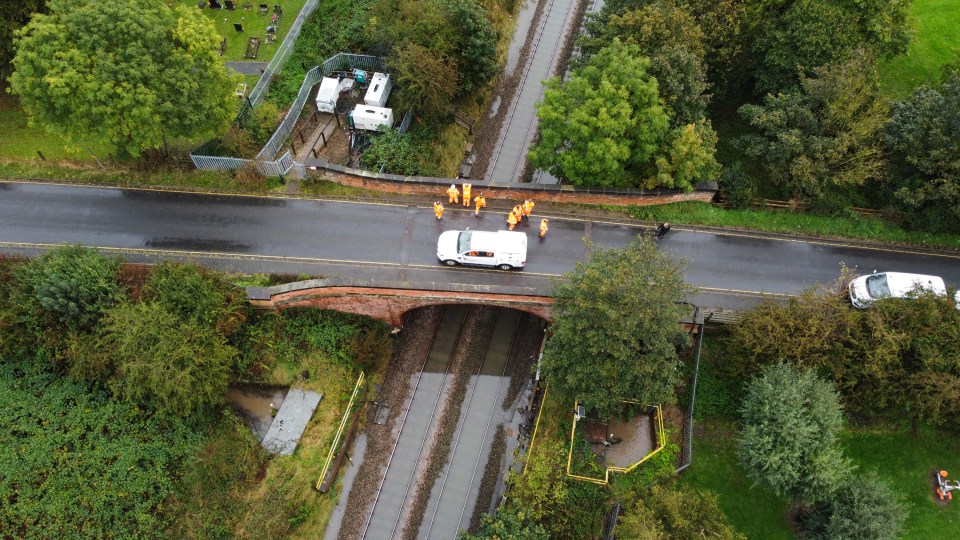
x: 336, y: 62
x: 686, y: 447
x: 283, y: 52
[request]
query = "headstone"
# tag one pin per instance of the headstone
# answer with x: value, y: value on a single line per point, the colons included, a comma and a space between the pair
x: 238, y: 27
x: 230, y: 5
x: 215, y: 5
x: 264, y: 8
x: 278, y: 10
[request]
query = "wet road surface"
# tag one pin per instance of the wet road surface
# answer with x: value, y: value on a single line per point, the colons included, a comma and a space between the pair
x: 398, y: 243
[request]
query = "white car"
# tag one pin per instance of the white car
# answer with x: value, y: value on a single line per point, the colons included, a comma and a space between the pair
x: 505, y: 250
x: 866, y: 290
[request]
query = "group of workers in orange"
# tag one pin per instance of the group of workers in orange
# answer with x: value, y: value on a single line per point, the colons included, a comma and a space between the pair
x: 520, y: 212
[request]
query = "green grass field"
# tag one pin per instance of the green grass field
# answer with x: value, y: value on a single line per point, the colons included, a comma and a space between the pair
x: 904, y: 461
x: 21, y: 141
x: 936, y: 41
x: 254, y: 25
x: 898, y: 458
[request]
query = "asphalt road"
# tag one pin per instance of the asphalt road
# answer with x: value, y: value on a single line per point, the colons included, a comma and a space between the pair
x: 398, y: 243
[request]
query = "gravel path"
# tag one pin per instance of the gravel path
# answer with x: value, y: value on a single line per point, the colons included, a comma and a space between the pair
x: 412, y: 346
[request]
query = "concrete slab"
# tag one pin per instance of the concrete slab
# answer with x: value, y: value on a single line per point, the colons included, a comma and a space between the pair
x: 291, y: 420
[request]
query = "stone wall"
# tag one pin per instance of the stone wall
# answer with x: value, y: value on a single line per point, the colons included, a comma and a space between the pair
x: 436, y: 187
x: 390, y: 305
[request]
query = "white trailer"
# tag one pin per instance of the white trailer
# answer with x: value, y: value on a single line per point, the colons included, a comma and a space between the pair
x: 371, y: 118
x: 379, y: 90
x: 328, y: 94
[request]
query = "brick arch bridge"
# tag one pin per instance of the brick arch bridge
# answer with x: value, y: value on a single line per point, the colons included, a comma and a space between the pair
x: 391, y: 301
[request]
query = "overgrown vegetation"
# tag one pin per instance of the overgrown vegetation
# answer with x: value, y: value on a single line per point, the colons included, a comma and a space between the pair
x: 116, y: 427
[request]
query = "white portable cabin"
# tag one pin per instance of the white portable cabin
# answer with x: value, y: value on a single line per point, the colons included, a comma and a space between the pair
x: 379, y: 90
x: 328, y: 94
x: 371, y: 118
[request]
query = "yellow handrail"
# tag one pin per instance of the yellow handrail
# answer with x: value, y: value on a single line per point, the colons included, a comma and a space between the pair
x: 661, y: 441
x: 543, y: 402
x: 343, y: 423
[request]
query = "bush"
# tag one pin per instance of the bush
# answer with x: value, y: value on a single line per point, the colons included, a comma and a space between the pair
x: 864, y: 508
x: 73, y: 284
x: 76, y: 464
x: 507, y: 524
x: 737, y: 186
x: 194, y: 293
x: 171, y: 365
x: 791, y: 420
x: 678, y: 512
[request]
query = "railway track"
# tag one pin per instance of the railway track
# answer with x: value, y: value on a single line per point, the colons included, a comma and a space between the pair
x: 383, y: 521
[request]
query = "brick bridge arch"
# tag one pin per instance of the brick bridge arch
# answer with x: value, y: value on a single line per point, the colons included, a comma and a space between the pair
x: 391, y: 301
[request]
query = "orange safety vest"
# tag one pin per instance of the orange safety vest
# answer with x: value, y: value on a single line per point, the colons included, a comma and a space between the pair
x: 466, y: 193
x: 454, y: 194
x: 438, y: 210
x: 528, y: 207
x: 543, y: 227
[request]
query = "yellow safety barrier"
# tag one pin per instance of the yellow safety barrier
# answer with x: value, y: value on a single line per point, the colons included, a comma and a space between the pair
x: 336, y: 440
x: 543, y: 402
x: 661, y: 442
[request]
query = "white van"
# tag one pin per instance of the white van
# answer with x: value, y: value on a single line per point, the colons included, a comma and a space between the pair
x: 506, y: 250
x: 866, y: 290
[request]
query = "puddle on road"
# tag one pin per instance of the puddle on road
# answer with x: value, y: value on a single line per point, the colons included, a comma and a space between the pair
x: 256, y: 405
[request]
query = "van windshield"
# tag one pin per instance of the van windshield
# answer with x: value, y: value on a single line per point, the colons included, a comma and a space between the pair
x: 877, y: 286
x: 463, y: 241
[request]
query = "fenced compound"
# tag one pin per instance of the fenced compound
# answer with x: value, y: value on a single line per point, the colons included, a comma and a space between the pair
x: 285, y: 164
x: 686, y: 448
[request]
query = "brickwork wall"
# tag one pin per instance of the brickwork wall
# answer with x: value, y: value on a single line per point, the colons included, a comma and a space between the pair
x: 392, y: 305
x: 435, y: 187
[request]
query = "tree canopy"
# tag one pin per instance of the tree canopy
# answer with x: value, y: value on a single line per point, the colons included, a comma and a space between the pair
x: 616, y: 328
x: 823, y: 138
x: 601, y: 126
x: 922, y: 138
x: 130, y: 74
x: 864, y: 508
x: 664, y: 513
x: 791, y: 419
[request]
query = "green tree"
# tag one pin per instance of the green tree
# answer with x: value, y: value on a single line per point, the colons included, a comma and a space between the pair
x: 688, y: 158
x: 603, y: 125
x: 922, y: 139
x: 864, y: 508
x: 791, y: 419
x: 128, y: 73
x: 15, y: 16
x: 821, y: 140
x: 173, y: 365
x: 616, y: 328
x: 73, y: 284
x: 508, y: 524
x: 476, y: 51
x: 426, y: 80
x: 798, y: 36
x: 669, y: 36
x: 663, y: 513
x: 194, y: 293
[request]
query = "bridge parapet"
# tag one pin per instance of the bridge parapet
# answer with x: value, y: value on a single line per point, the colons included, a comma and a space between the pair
x: 392, y: 300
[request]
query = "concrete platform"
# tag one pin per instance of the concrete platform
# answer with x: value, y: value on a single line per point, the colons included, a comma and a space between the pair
x: 291, y: 421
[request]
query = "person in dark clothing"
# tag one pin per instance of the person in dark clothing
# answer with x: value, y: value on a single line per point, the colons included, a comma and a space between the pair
x: 661, y: 231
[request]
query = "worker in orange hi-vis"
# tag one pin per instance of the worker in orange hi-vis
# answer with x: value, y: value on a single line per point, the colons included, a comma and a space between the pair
x: 454, y: 194
x: 466, y: 194
x: 481, y: 202
x: 527, y: 208
x: 543, y: 228
x: 438, y: 210
x: 518, y: 212
x: 511, y: 221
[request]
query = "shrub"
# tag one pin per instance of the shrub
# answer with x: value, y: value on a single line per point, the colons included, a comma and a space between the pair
x: 737, y: 186
x: 791, y: 419
x: 194, y: 293
x: 677, y: 512
x: 173, y: 366
x: 73, y: 284
x: 864, y: 508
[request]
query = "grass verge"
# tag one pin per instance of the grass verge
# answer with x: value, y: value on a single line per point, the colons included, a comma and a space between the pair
x: 21, y: 141
x: 904, y: 461
x: 751, y: 509
x: 936, y: 42
x: 849, y: 226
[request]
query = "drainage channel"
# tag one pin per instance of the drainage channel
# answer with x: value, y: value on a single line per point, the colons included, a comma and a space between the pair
x: 395, y: 487
x: 457, y: 488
